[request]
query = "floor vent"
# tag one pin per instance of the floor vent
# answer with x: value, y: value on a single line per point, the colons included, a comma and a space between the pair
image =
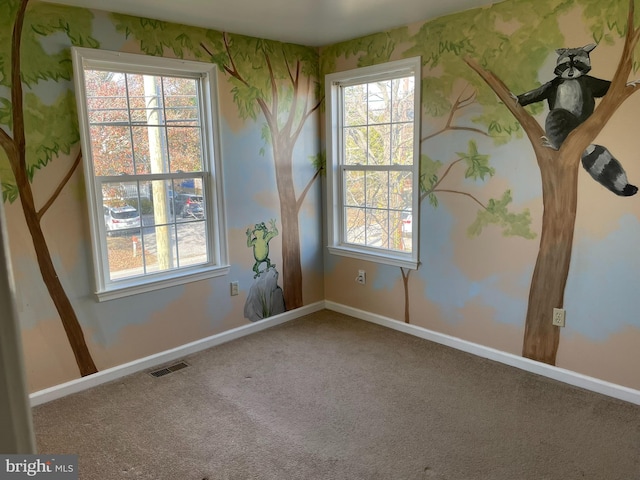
x: 170, y: 369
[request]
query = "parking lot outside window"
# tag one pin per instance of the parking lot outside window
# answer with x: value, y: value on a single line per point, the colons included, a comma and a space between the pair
x: 373, y: 129
x: 149, y: 139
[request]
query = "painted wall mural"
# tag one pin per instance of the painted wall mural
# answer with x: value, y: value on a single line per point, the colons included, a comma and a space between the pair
x: 265, y: 87
x: 559, y: 169
x: 509, y: 227
x: 499, y: 238
x: 32, y: 140
x: 265, y: 296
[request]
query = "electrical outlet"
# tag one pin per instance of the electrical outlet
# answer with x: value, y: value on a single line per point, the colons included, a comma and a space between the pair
x: 362, y: 277
x: 558, y: 317
x: 234, y: 288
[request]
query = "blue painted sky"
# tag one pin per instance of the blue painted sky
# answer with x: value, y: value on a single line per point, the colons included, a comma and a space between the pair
x: 601, y: 297
x: 448, y: 287
x: 107, y: 319
x: 247, y: 174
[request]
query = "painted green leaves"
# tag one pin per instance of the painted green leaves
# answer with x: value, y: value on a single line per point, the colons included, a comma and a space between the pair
x: 50, y: 123
x: 497, y: 213
x: 477, y: 164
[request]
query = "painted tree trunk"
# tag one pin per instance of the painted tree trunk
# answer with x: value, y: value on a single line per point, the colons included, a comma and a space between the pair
x: 291, y: 265
x: 560, y: 193
x: 59, y: 297
x: 405, y: 284
x: 16, y: 152
x: 559, y: 171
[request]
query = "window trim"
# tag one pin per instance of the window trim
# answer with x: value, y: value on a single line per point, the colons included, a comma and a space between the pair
x: 335, y: 229
x: 218, y: 264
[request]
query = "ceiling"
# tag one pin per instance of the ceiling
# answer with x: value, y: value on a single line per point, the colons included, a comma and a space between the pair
x: 306, y: 22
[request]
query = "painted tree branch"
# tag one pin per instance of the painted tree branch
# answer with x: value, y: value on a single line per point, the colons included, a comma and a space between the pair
x: 6, y: 142
x: 233, y: 71
x: 286, y: 62
x: 459, y: 104
x: 306, y: 116
x: 16, y: 85
x: 274, y: 86
x: 444, y: 175
x: 466, y: 194
x: 62, y: 184
x: 303, y: 195
x: 226, y: 69
x: 530, y: 125
x: 294, y: 103
x: 618, y: 92
x: 454, y: 129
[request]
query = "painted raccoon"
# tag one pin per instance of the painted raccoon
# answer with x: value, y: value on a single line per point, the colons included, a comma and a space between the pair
x: 571, y: 96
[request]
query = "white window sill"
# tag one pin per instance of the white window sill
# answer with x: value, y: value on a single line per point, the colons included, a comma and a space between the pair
x: 138, y: 285
x: 395, y: 259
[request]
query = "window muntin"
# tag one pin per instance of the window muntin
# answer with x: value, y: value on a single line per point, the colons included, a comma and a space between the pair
x: 148, y: 140
x: 373, y: 116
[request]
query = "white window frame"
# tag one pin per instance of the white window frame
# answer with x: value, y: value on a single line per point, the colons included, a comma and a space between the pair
x: 217, y: 264
x: 334, y: 118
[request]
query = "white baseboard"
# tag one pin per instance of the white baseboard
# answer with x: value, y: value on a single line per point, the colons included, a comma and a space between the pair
x: 566, y: 376
x: 104, y: 376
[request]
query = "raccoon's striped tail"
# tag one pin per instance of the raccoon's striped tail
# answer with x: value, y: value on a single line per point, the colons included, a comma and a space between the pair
x: 607, y: 171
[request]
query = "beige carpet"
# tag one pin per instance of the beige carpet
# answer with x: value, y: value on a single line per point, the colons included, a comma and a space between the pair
x: 331, y: 397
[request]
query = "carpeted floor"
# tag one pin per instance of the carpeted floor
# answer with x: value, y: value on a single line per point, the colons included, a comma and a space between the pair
x: 331, y: 397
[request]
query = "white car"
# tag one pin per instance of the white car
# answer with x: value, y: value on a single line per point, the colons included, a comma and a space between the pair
x: 119, y: 218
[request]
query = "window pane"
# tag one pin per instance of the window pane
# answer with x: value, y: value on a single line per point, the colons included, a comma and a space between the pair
x: 160, y: 205
x: 153, y: 99
x: 401, y: 190
x: 125, y: 255
x: 107, y: 102
x: 376, y: 226
x: 142, y: 161
x: 355, y: 225
x: 354, y: 193
x: 181, y: 101
x: 185, y: 150
x: 402, y: 144
x: 111, y: 150
x: 380, y: 145
x: 379, y: 102
x: 160, y: 248
x: 377, y: 189
x: 192, y: 243
x: 188, y: 199
x: 355, y: 146
x: 400, y: 233
x: 137, y: 99
x: 121, y: 206
x: 156, y: 149
x: 355, y: 105
x: 403, y: 102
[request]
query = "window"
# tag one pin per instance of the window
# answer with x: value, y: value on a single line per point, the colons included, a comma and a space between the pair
x: 373, y: 125
x: 149, y: 140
